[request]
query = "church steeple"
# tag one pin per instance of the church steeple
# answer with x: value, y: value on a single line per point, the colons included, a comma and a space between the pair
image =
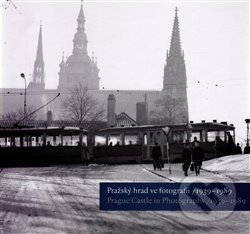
x: 175, y: 46
x: 38, y: 71
x: 79, y: 68
x: 80, y: 39
x: 175, y: 80
x: 39, y: 54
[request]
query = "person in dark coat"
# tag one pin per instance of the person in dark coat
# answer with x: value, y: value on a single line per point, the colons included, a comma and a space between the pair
x: 186, y: 158
x: 194, y: 141
x: 198, y: 156
x: 238, y: 149
x: 218, y: 147
x: 247, y: 149
x: 230, y: 144
x: 156, y: 156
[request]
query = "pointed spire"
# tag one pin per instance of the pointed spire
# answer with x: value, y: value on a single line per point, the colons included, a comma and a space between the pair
x: 81, y: 17
x: 62, y: 64
x: 80, y: 39
x: 175, y: 47
x: 39, y: 54
x: 63, y: 56
x: 38, y: 71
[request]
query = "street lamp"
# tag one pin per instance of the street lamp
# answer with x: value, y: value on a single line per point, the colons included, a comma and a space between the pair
x: 247, y: 122
x: 24, y: 106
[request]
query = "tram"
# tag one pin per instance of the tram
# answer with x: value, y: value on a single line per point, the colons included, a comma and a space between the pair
x: 128, y: 144
x: 42, y: 146
x: 133, y: 144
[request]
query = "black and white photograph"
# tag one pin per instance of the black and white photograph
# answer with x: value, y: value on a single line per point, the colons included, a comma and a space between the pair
x: 124, y: 116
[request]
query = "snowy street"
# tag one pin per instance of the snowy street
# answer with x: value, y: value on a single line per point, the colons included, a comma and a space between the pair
x: 65, y: 199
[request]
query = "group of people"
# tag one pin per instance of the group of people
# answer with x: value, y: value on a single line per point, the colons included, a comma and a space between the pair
x: 228, y: 147
x: 192, y: 157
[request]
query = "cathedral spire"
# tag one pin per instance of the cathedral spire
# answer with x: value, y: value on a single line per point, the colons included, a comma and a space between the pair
x: 39, y: 54
x: 175, y: 80
x: 38, y: 72
x: 175, y: 46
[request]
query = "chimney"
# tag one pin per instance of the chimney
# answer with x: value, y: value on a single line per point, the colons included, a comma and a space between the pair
x: 142, y: 113
x: 111, y: 116
x: 49, y: 118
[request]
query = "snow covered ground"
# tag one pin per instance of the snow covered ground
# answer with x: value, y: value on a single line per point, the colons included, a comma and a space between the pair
x: 65, y: 199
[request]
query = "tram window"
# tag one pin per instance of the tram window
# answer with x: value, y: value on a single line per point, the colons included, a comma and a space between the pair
x: 178, y: 137
x: 8, y: 141
x: 211, y: 135
x: 130, y: 139
x: 49, y: 140
x: 158, y: 137
x: 84, y: 140
x: 145, y: 139
x: 197, y: 135
x: 114, y: 139
x: 39, y: 141
x: 221, y: 134
x: 151, y: 134
x: 71, y: 140
x: 2, y: 142
x: 100, y: 140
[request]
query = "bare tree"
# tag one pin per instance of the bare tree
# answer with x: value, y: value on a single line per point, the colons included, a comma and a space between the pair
x: 19, y: 114
x: 168, y: 111
x: 80, y: 106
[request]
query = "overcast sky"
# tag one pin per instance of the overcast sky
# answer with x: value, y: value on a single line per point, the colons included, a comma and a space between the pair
x: 130, y: 40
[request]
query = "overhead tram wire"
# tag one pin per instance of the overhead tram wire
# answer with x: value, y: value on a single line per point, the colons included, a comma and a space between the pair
x: 178, y: 85
x: 16, y: 124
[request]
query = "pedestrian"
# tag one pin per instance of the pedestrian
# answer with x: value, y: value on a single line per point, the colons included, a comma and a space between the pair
x: 156, y: 156
x: 247, y: 149
x: 186, y: 158
x: 230, y: 144
x: 194, y: 141
x: 218, y: 147
x: 198, y: 156
x: 238, y: 149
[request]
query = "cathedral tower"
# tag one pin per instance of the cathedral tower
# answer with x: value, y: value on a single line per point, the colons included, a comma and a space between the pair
x: 79, y: 67
x: 37, y: 82
x: 175, y: 80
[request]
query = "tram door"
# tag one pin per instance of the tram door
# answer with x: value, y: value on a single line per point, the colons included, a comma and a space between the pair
x: 148, y: 141
x: 145, y: 146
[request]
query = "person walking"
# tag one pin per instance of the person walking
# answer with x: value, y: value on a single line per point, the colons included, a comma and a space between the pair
x: 218, y: 147
x: 238, y: 149
x: 156, y: 156
x: 186, y: 158
x: 194, y: 141
x: 230, y: 144
x: 247, y: 149
x: 198, y: 156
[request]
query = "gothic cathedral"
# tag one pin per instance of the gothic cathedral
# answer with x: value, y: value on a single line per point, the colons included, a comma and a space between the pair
x: 175, y: 79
